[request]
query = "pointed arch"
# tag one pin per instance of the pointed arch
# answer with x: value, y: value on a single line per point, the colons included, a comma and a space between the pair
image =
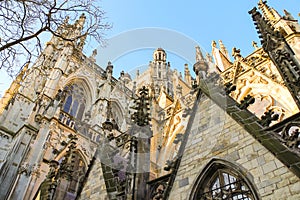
x: 79, y: 97
x: 86, y: 86
x: 76, y: 101
x: 74, y: 182
x: 78, y: 151
x: 221, y: 179
x: 118, y: 112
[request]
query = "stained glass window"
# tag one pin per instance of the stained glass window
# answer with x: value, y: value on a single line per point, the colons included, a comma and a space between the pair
x: 75, y: 102
x: 68, y: 104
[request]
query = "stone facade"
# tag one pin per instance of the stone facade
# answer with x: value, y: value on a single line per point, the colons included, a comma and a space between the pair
x: 70, y: 130
x: 95, y: 188
x: 215, y: 135
x: 66, y: 124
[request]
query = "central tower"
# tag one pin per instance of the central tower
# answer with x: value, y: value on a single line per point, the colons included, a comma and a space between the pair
x: 161, y: 73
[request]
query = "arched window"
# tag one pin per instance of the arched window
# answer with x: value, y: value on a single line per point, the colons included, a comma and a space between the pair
x: 75, y: 102
x: 117, y: 113
x: 222, y: 180
x: 78, y: 172
x: 68, y: 104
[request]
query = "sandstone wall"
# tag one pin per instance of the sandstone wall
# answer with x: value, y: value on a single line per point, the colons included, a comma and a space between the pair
x: 215, y: 134
x: 95, y: 188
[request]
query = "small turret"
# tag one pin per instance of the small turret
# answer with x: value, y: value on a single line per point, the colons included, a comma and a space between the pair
x: 109, y: 70
x: 269, y: 13
x: 161, y: 73
x: 71, y: 32
x: 286, y: 24
x: 13, y: 89
x: 80, y: 22
x: 201, y: 64
x: 187, y: 75
x: 159, y: 55
x: 125, y: 77
x: 223, y: 49
x: 222, y: 61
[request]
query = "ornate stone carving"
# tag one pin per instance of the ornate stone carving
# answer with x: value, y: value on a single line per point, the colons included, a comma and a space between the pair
x: 246, y: 101
x: 158, y: 192
x: 38, y: 118
x: 5, y: 136
x: 35, y: 170
x: 25, y: 168
x: 171, y: 164
x: 158, y: 188
x: 229, y: 87
x: 236, y: 53
x: 290, y: 135
x: 279, y: 52
x: 293, y: 140
x: 141, y: 116
x: 268, y: 117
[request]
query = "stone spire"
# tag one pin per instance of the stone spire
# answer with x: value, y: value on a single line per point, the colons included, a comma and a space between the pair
x: 161, y: 73
x: 199, y: 55
x: 223, y: 49
x: 187, y: 75
x: 269, y: 13
x: 288, y: 15
x: 80, y: 22
x: 222, y: 61
x: 286, y: 24
x: 280, y: 52
x: 63, y: 26
x: 71, y: 32
x: 13, y: 89
x: 254, y: 44
x: 201, y: 64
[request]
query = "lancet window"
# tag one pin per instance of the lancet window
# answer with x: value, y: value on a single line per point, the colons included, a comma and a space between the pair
x: 75, y: 102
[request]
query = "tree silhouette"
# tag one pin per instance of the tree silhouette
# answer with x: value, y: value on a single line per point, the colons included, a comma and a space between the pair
x: 23, y: 22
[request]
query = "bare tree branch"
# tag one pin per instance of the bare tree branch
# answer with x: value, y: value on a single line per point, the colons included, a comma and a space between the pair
x: 23, y: 21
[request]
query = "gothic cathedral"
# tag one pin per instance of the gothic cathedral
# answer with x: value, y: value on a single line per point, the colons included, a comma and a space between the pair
x: 70, y: 130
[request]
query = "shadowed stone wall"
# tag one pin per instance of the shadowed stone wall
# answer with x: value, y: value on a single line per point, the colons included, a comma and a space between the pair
x: 215, y: 134
x: 95, y: 188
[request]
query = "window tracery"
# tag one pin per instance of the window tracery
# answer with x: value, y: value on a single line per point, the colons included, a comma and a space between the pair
x: 226, y: 185
x: 75, y: 102
x: 221, y: 180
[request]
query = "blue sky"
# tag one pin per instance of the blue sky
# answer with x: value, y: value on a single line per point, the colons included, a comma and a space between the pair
x: 200, y: 21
